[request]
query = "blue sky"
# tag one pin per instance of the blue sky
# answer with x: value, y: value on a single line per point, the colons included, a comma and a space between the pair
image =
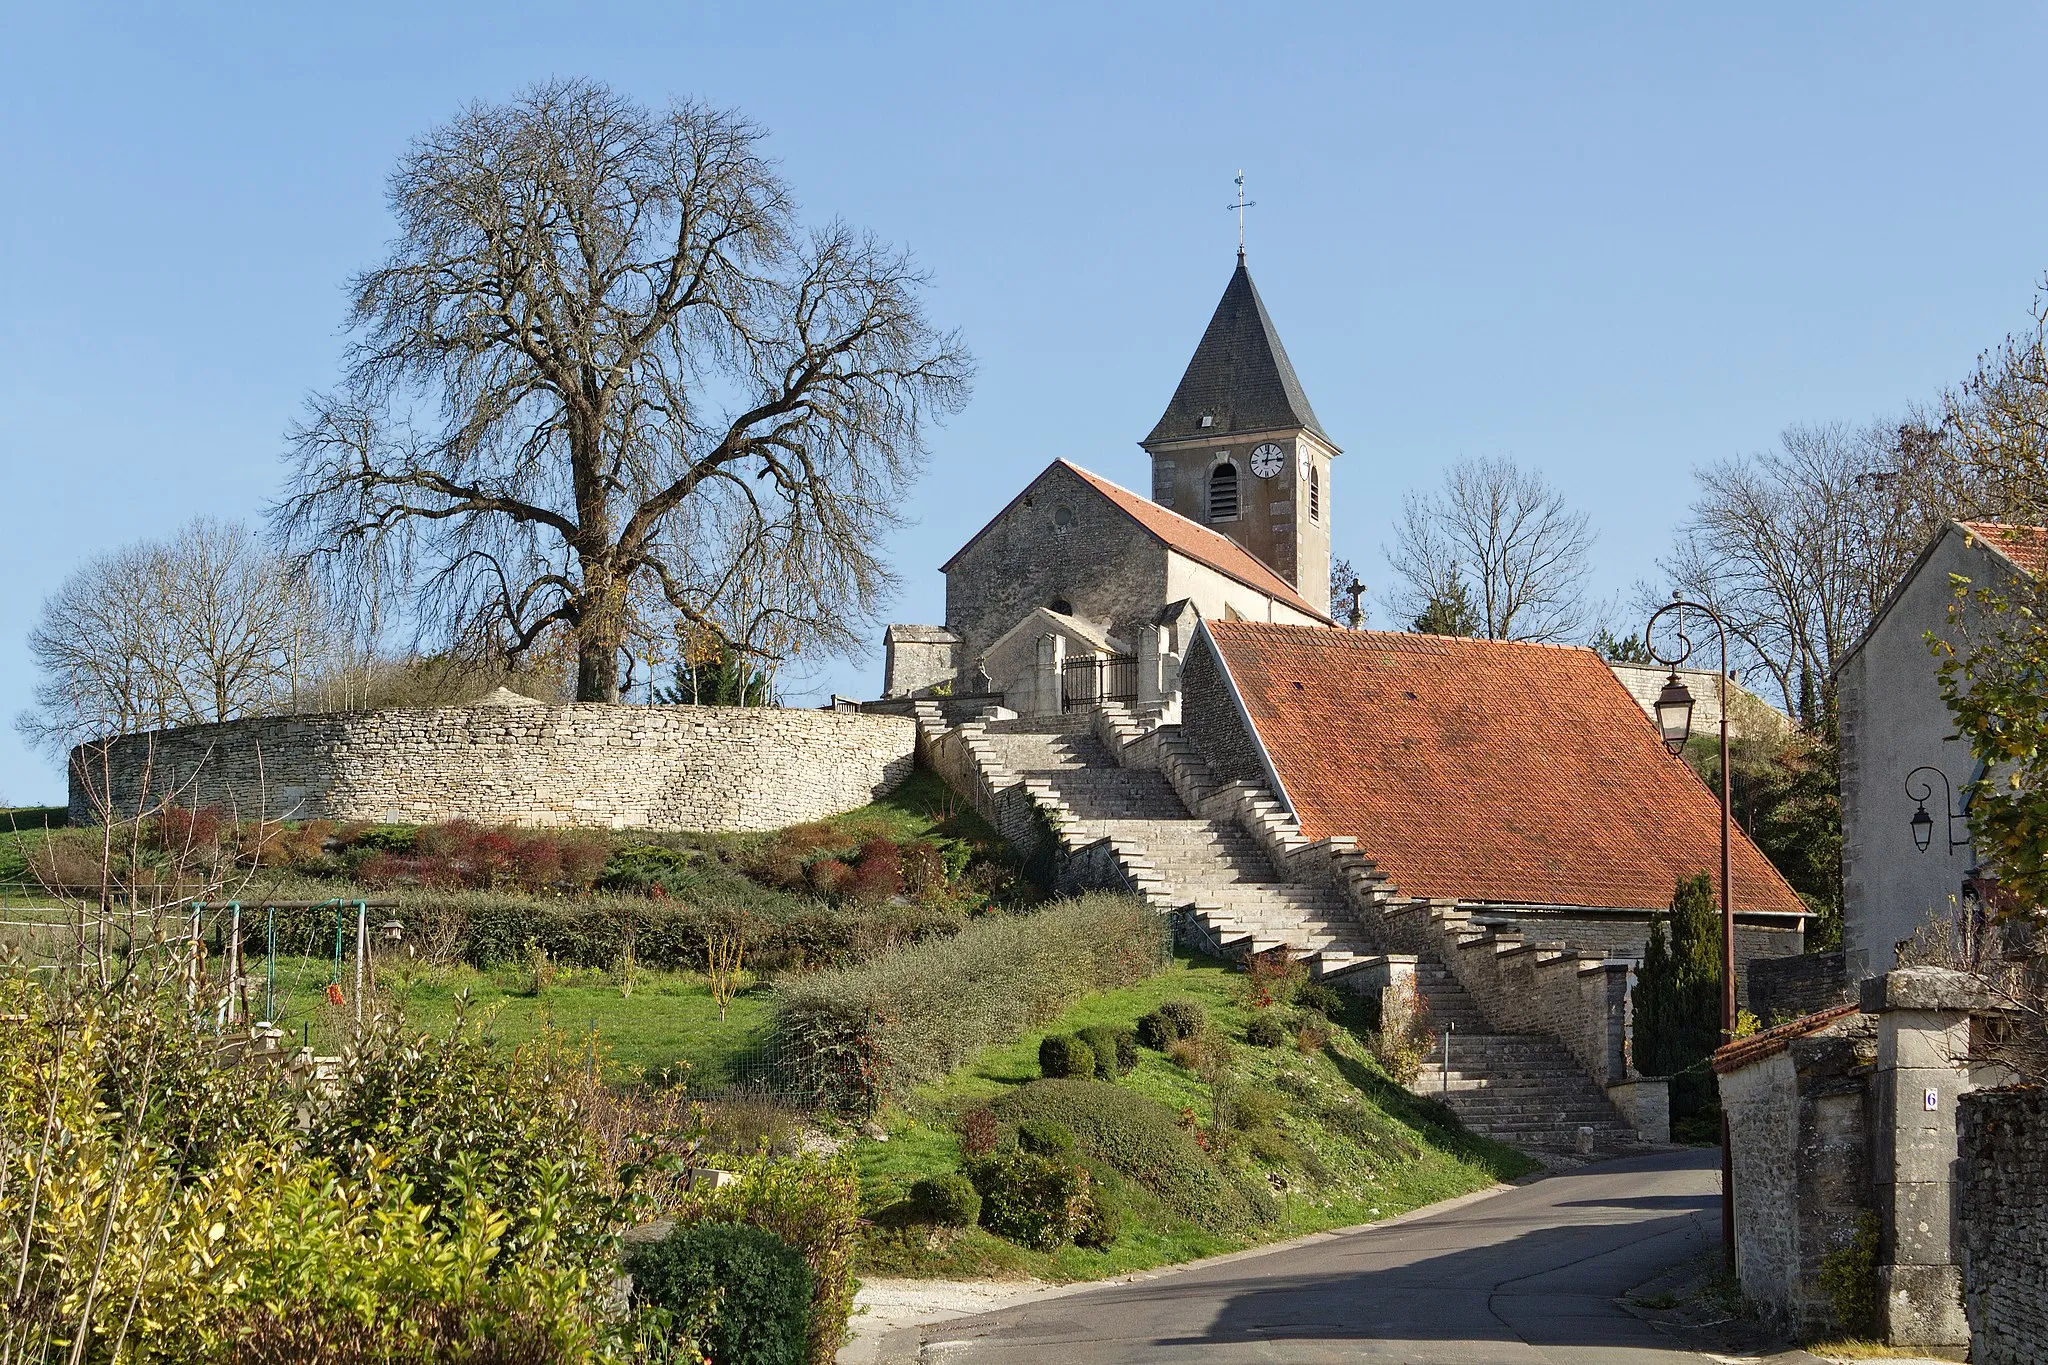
x: 1613, y: 242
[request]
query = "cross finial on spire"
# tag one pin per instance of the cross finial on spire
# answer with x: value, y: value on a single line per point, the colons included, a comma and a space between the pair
x: 1241, y: 204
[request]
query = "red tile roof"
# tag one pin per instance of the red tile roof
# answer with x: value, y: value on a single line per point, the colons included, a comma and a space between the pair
x: 1483, y: 770
x: 1198, y: 542
x: 1743, y: 1051
x: 2026, y: 546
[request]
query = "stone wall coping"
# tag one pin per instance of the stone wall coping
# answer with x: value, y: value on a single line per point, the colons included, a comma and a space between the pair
x: 1927, y: 988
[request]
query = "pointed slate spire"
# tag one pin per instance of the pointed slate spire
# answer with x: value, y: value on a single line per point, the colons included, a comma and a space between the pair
x: 1240, y: 376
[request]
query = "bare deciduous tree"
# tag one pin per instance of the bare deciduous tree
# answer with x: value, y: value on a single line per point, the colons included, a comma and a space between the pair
x: 206, y: 626
x: 1991, y: 461
x: 1504, y: 533
x: 1798, y: 547
x: 603, y: 351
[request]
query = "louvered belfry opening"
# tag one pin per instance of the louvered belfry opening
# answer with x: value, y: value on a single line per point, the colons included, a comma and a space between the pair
x: 1315, y: 494
x: 1223, y: 492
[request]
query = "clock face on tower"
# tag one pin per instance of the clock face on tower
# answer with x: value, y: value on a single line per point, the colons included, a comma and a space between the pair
x: 1267, y: 460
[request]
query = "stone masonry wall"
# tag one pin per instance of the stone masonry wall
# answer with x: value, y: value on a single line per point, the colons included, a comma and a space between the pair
x: 2002, y: 1213
x: 1211, y: 721
x: 586, y: 765
x: 1786, y: 988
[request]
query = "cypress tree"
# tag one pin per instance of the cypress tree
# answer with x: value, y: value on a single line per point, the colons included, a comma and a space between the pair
x: 1678, y: 997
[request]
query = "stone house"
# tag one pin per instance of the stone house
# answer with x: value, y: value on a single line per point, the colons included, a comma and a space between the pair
x: 1899, y: 756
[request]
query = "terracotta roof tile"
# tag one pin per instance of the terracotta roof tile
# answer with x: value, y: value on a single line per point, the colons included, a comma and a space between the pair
x: 1198, y: 542
x: 2026, y: 546
x: 1483, y: 770
x: 1743, y: 1051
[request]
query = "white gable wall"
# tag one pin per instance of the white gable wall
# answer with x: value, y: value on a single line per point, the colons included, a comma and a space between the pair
x: 1216, y: 594
x: 1893, y: 721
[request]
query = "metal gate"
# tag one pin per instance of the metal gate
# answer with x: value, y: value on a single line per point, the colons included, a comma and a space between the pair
x: 1098, y: 678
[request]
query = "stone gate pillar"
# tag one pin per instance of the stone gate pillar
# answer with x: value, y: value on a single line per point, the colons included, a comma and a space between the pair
x: 1923, y: 1044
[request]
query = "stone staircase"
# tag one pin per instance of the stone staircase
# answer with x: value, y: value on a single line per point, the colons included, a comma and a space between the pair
x: 1525, y: 1089
x: 1180, y: 861
x: 1522, y: 1088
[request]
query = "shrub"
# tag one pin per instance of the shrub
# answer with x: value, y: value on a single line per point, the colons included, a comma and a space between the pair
x: 979, y: 1131
x: 1116, y: 1049
x: 754, y: 1289
x: 947, y: 1201
x: 879, y: 873
x: 829, y: 877
x: 1104, y: 1220
x: 811, y: 1203
x: 1272, y: 978
x: 640, y: 867
x: 852, y: 1037
x: 1140, y: 1139
x: 1037, y: 1201
x: 783, y: 933
x: 1848, y: 1276
x: 1248, y: 1107
x: 1311, y: 1033
x: 1062, y: 1054
x: 1173, y: 1019
x: 1265, y: 1031
x: 1045, y: 1137
x: 1327, y: 1001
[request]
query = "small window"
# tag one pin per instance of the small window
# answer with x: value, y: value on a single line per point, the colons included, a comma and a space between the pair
x: 1315, y: 493
x: 1062, y: 606
x: 1223, y: 492
x: 1062, y: 517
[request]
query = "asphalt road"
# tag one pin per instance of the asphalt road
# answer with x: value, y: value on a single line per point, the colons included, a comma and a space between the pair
x: 1528, y: 1277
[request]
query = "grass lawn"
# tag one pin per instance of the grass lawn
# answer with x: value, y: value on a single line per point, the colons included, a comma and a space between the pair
x: 670, y: 1017
x: 1332, y: 1092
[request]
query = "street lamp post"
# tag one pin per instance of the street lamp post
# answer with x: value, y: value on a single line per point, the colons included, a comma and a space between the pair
x: 1674, y: 723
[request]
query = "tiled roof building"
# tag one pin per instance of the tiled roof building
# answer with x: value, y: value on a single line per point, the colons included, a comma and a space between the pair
x: 1478, y: 770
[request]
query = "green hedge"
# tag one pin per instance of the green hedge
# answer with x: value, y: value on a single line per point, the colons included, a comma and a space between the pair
x: 855, y: 1036
x: 486, y: 928
x: 750, y: 1288
x: 1142, y: 1140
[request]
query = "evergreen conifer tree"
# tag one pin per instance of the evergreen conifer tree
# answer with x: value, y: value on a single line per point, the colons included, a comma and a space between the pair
x: 1450, y: 611
x: 1678, y: 997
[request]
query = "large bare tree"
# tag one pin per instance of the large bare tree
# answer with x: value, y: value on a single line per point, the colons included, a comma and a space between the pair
x: 1798, y: 547
x: 1505, y: 537
x: 603, y: 351
x: 208, y: 625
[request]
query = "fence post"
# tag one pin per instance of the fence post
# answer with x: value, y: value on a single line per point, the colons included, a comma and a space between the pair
x: 234, y: 957
x: 362, y: 949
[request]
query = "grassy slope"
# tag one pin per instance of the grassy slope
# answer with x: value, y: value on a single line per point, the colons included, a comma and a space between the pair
x: 670, y: 1016
x: 921, y: 1142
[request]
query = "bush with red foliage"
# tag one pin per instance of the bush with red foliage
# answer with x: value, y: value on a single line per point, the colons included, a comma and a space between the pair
x: 462, y: 855
x: 582, y: 857
x: 879, y: 873
x: 829, y: 877
x: 183, y: 832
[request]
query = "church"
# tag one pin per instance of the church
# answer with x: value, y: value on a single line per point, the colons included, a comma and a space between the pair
x: 1081, y: 585
x: 1156, y: 684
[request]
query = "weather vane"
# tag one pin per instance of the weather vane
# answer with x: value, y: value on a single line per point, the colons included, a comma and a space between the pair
x: 1241, y: 205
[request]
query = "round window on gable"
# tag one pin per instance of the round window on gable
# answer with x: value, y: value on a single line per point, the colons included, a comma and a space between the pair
x: 1062, y: 518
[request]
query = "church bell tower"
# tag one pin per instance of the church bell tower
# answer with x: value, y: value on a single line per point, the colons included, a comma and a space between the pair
x: 1239, y: 448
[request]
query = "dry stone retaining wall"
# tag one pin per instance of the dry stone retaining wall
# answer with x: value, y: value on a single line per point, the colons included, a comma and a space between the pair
x: 584, y: 765
x: 2002, y: 1208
